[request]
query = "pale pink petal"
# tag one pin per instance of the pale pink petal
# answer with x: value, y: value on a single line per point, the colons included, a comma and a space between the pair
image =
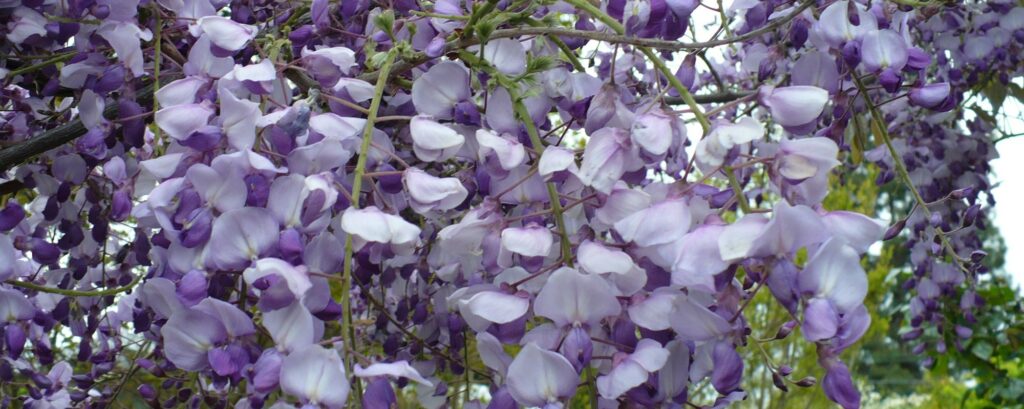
x: 433, y: 141
x: 572, y: 298
x: 661, y: 223
x: 238, y: 117
x: 531, y: 240
x: 296, y: 277
x: 595, y: 258
x: 437, y: 91
x: 497, y: 307
x: 695, y: 322
x: 180, y: 121
x: 655, y: 311
x: 400, y: 369
x: 537, y: 377
x: 510, y: 153
x: 183, y: 91
x: 226, y: 33
x: 224, y: 191
x: 834, y: 272
x: 315, y: 374
x: 291, y: 327
x: 857, y: 230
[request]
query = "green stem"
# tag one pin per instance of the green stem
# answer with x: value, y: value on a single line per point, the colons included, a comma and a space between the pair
x: 76, y: 293
x: 684, y: 93
x: 737, y: 190
x: 592, y: 385
x: 561, y: 46
x: 478, y: 14
x: 357, y: 185
x: 453, y: 17
x: 725, y: 19
x: 33, y: 67
x: 556, y: 204
x: 901, y: 169
x: 468, y: 374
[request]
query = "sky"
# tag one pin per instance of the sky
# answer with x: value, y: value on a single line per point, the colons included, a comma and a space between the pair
x: 1009, y: 191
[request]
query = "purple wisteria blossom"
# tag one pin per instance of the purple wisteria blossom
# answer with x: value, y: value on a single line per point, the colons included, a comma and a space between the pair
x: 281, y: 204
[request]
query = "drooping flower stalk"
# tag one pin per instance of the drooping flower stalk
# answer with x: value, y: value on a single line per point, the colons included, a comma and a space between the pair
x: 215, y: 224
x: 879, y: 127
x: 555, y: 200
x: 77, y: 293
x: 357, y: 183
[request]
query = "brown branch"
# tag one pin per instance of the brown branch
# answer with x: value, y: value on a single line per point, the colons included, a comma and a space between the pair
x: 57, y: 137
x: 11, y: 186
x: 715, y: 98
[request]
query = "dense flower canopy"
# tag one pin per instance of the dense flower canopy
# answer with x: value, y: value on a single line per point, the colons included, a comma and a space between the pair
x: 284, y: 203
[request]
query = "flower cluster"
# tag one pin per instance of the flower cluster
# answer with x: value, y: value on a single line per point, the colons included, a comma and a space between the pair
x: 280, y: 203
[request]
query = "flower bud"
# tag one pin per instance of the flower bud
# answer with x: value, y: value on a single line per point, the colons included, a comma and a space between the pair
x: 785, y: 329
x: 301, y: 35
x: 978, y: 255
x: 912, y: 334
x: 435, y: 48
x: 971, y: 215
x: 779, y: 382
x: 806, y: 382
x: 147, y: 391
x: 890, y: 80
x: 851, y: 53
x: 917, y: 59
x: 14, y: 337
x: 963, y: 332
x: 961, y: 193
x: 101, y: 11
x: 798, y: 32
x: 894, y: 230
x: 11, y: 216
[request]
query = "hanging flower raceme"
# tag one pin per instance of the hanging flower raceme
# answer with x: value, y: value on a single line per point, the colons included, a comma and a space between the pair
x: 269, y: 204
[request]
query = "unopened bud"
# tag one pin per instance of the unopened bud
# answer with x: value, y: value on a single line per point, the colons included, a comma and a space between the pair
x: 971, y: 214
x: 978, y: 255
x: 785, y: 329
x: 779, y: 382
x: 147, y: 391
x: 894, y: 230
x: 961, y: 193
x: 806, y: 382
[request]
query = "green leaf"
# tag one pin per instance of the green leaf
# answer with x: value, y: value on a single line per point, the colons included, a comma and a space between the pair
x: 1013, y: 390
x: 858, y: 140
x: 539, y: 64
x: 1016, y: 91
x: 996, y: 94
x: 984, y: 115
x: 484, y: 29
x: 385, y: 21
x: 377, y: 59
x: 982, y: 350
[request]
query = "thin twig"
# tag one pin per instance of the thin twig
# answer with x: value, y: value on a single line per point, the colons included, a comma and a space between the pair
x: 901, y: 170
x: 76, y: 293
x: 556, y: 204
x: 357, y: 183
